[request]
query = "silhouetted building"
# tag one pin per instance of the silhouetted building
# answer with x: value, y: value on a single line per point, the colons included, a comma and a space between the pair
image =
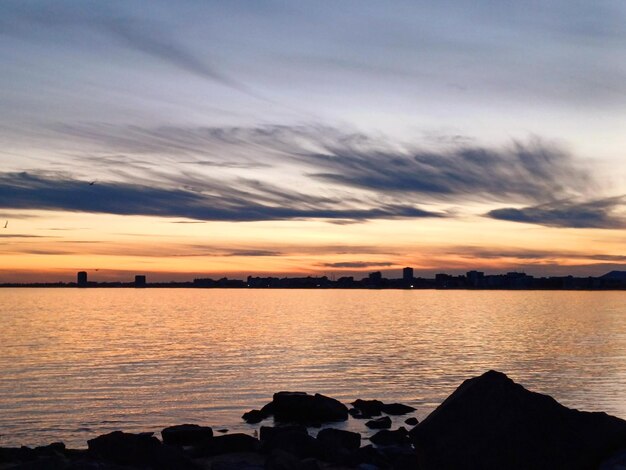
x: 140, y: 280
x: 475, y: 278
x: 81, y: 279
x: 407, y: 274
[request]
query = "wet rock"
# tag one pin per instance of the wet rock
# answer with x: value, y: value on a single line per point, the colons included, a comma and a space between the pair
x: 138, y: 449
x: 222, y: 431
x: 387, y: 438
x: 270, y: 432
x: 254, y: 416
x: 346, y: 439
x: 185, y: 434
x: 380, y: 423
x: 368, y: 408
x: 490, y: 422
x: 304, y: 408
x: 397, y: 409
x: 292, y: 439
x: 226, y: 444
x: 281, y: 460
x: 411, y: 421
x: 400, y: 457
x: 339, y: 446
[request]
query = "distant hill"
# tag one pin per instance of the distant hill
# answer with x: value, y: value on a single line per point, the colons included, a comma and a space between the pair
x: 615, y: 275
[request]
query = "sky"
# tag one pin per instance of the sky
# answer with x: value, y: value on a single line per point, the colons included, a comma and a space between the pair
x: 311, y: 137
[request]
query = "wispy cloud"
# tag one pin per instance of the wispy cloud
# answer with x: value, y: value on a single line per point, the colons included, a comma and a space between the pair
x: 358, y: 264
x: 367, y: 176
x: 223, y: 202
x: 607, y: 213
x: 147, y: 37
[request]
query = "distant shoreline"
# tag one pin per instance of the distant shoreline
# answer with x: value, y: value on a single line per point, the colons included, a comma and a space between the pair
x: 191, y: 286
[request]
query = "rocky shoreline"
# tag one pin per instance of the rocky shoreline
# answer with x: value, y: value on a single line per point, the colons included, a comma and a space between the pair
x: 489, y: 422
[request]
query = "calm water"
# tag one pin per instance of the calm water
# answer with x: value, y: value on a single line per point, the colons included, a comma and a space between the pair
x: 78, y: 363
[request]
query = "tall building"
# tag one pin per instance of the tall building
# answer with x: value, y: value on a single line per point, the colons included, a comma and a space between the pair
x: 140, y: 280
x: 407, y: 274
x: 81, y: 279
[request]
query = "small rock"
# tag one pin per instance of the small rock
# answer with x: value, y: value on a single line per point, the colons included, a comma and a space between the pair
x: 290, y: 439
x: 368, y: 408
x: 346, y: 439
x: 226, y: 444
x: 386, y: 438
x: 397, y: 409
x: 270, y: 432
x: 411, y: 421
x: 254, y: 416
x: 380, y: 423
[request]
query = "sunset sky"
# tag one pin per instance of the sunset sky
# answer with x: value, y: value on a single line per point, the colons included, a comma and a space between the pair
x: 311, y: 137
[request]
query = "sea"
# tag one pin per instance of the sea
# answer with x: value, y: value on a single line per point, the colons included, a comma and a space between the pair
x: 77, y: 363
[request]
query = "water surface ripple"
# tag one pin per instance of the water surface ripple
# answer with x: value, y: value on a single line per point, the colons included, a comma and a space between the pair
x: 78, y: 363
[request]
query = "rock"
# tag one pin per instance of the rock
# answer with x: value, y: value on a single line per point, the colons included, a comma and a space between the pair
x: 371, y: 456
x: 490, y: 422
x: 304, y: 408
x: 411, y: 421
x: 387, y: 438
x: 138, y: 449
x: 125, y: 448
x: 281, y: 460
x: 380, y: 423
x: 339, y: 446
x: 185, y: 434
x: 254, y: 416
x: 226, y: 444
x: 346, y: 439
x: 270, y: 432
x: 310, y: 464
x: 292, y: 439
x: 397, y: 409
x: 222, y: 431
x: 400, y: 457
x: 368, y: 408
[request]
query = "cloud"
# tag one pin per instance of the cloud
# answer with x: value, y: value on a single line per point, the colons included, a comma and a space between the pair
x: 21, y: 235
x: 481, y: 253
x: 348, y: 176
x: 357, y: 264
x: 252, y: 201
x: 607, y: 213
x: 138, y: 34
x: 531, y: 171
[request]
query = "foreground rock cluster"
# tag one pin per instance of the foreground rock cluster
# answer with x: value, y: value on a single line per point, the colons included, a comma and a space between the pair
x: 489, y: 422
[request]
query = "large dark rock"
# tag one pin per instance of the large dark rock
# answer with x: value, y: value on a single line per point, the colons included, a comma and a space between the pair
x: 304, y: 408
x: 142, y: 449
x: 396, y: 409
x: 185, y: 434
x: 490, y: 422
x: 380, y: 423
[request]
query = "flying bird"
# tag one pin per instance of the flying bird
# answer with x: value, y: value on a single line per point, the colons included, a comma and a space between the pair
x: 6, y: 224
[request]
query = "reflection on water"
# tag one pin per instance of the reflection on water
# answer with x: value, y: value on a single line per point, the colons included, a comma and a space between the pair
x: 77, y: 363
